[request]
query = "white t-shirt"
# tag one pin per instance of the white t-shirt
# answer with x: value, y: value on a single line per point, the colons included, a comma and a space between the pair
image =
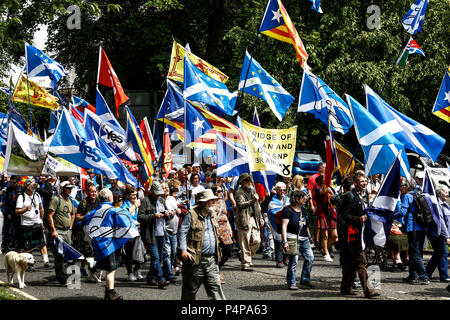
x: 33, y: 216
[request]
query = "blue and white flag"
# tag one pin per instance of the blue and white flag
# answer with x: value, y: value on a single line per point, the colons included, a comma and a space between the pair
x: 171, y: 111
x: 68, y: 252
x: 231, y: 158
x: 255, y: 121
x: 319, y: 99
x: 113, y: 136
x: 316, y: 6
x: 414, y: 18
x: 109, y: 229
x: 103, y: 111
x: 441, y: 106
x: 196, y: 124
x: 413, y: 135
x: 381, y: 213
x: 431, y: 197
x: 5, y: 90
x: 38, y: 64
x: 71, y: 143
x: 259, y: 83
x: 379, y: 145
x: 202, y: 88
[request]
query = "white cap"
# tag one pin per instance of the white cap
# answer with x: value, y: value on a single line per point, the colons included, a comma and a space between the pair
x: 66, y: 184
x: 420, y: 174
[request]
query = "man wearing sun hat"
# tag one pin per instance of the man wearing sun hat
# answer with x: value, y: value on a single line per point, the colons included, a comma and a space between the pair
x: 199, y: 249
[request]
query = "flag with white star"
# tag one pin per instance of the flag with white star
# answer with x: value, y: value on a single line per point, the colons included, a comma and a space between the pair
x: 259, y: 83
x: 196, y: 124
x: 442, y: 105
x: 202, y: 88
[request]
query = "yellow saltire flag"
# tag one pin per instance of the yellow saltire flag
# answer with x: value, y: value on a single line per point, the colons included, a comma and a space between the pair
x: 38, y: 96
x: 176, y: 69
x: 270, y: 149
x: 346, y: 161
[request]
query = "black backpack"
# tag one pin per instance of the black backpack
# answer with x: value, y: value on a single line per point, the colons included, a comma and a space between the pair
x: 422, y: 214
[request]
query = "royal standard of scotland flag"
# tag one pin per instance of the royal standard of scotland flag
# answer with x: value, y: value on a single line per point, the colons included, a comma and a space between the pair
x: 259, y: 83
x: 441, y: 107
x: 38, y: 64
x: 318, y: 98
x: 109, y: 229
x: 202, y: 88
x: 379, y: 145
x: 381, y: 212
x: 413, y: 135
x: 415, y: 16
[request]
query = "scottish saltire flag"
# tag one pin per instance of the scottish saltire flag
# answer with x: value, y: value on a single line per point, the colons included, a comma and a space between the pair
x: 202, y: 88
x: 259, y: 83
x: 381, y: 212
x: 231, y: 158
x: 430, y: 196
x: 379, y: 145
x: 413, y: 135
x: 71, y: 143
x: 109, y: 229
x: 171, y: 111
x: 38, y: 64
x: 277, y: 24
x: 68, y: 252
x: 54, y: 118
x: 415, y: 16
x: 81, y: 104
x: 113, y: 136
x: 316, y: 6
x: 255, y: 118
x: 103, y: 111
x: 411, y: 47
x: 318, y: 98
x: 441, y: 106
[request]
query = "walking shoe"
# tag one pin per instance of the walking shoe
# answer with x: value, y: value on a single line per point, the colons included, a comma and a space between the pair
x: 445, y: 280
x: 163, y: 285
x: 131, y: 277
x: 327, y: 258
x: 112, y: 295
x: 246, y: 267
x: 280, y: 265
x: 409, y: 279
x: 420, y: 281
x: 307, y: 284
x: 49, y: 266
x: 371, y: 294
x: 293, y: 288
x: 138, y: 275
x: 152, y: 283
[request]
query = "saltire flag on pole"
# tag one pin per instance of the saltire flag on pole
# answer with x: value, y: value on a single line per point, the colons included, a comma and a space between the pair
x: 318, y: 98
x: 202, y: 88
x: 441, y: 106
x: 231, y: 158
x: 413, y: 135
x: 431, y: 197
x: 381, y: 213
x: 259, y: 83
x: 5, y: 90
x: 37, y: 96
x: 176, y: 69
x: 134, y: 137
x: 81, y: 104
x: 103, y: 111
x: 109, y: 229
x: 68, y: 252
x: 411, y: 47
x: 171, y: 111
x: 277, y: 24
x: 38, y: 64
x: 331, y: 159
x: 108, y: 78
x: 149, y: 142
x: 316, y: 6
x: 167, y: 153
x: 379, y: 145
x: 415, y: 16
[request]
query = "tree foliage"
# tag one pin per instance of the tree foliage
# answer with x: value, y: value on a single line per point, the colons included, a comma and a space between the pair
x: 343, y: 51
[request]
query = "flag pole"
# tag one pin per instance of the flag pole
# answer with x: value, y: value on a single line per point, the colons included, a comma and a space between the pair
x: 28, y: 88
x: 388, y: 77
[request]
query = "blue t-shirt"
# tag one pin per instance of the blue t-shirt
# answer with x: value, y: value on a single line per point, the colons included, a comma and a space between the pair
x: 294, y: 220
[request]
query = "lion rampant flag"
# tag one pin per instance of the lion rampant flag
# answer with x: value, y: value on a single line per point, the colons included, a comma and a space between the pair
x: 176, y: 69
x: 167, y: 162
x: 28, y: 91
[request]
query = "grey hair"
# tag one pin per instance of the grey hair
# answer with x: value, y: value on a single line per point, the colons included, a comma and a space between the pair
x: 105, y: 195
x: 441, y: 189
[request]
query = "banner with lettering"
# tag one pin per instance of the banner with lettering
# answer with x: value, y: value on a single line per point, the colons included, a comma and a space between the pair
x: 270, y: 149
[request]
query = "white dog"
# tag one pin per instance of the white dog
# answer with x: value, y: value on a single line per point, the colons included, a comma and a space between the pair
x: 16, y: 264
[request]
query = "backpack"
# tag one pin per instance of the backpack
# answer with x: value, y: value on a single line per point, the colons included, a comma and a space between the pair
x: 422, y: 214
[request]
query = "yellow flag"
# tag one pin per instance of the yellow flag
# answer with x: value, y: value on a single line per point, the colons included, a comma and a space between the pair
x: 270, y: 149
x: 346, y: 161
x: 176, y: 69
x: 38, y: 96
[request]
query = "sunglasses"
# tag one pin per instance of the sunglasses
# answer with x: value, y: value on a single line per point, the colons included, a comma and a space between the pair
x: 283, y: 190
x: 219, y: 190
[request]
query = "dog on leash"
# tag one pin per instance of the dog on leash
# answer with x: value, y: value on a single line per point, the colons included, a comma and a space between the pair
x: 17, y: 264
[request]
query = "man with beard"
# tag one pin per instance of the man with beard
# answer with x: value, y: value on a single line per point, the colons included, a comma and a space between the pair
x: 199, y: 249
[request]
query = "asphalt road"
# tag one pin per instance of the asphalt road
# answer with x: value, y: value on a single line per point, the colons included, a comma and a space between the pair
x: 266, y: 282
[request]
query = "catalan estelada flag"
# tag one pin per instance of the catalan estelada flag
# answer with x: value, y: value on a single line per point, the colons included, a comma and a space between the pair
x: 442, y: 105
x: 277, y: 24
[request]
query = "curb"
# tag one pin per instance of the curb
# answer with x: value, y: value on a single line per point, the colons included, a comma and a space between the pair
x: 17, y: 292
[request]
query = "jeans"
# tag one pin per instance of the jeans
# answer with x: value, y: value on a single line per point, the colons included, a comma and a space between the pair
x: 170, y: 250
x: 304, y: 248
x: 269, y: 246
x: 156, y: 253
x: 415, y: 252
x: 439, y: 258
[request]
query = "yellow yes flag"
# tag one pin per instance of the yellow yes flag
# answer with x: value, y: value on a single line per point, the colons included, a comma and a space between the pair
x: 176, y: 69
x: 270, y: 149
x: 38, y: 96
